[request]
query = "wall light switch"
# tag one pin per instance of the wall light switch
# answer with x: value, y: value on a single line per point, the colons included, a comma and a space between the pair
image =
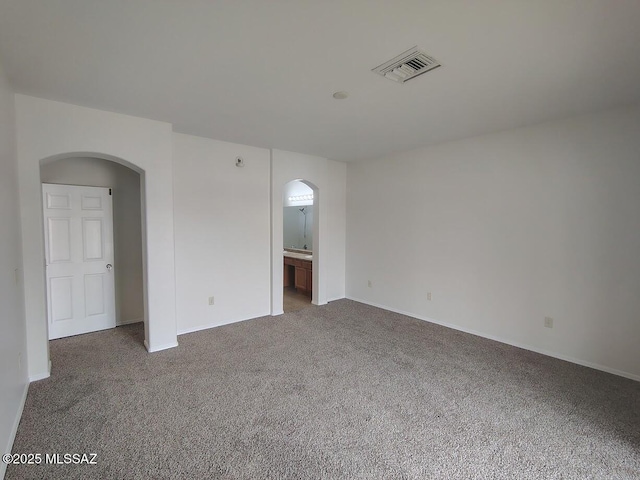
x: 429, y: 296
x: 369, y: 284
x: 211, y: 301
x: 548, y: 322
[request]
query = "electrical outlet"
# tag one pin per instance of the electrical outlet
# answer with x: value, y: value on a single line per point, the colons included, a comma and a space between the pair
x: 369, y: 284
x: 429, y: 296
x: 548, y: 322
x: 211, y: 301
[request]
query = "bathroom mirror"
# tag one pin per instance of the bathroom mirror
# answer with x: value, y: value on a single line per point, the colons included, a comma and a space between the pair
x: 298, y: 227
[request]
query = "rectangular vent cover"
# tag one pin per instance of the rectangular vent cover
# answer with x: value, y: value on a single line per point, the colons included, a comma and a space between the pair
x: 407, y: 65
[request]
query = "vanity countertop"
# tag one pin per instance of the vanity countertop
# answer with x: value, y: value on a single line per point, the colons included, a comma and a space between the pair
x: 298, y: 255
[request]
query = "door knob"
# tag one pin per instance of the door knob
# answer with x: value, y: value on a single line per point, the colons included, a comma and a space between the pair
x: 109, y: 266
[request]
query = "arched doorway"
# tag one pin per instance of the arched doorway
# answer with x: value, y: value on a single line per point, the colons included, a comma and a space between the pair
x: 298, y: 245
x: 125, y: 194
x: 50, y: 130
x: 318, y: 295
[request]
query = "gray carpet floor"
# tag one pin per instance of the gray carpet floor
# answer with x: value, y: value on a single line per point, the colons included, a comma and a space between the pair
x: 339, y: 391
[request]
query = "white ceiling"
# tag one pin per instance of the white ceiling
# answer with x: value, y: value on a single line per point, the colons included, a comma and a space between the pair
x: 263, y: 72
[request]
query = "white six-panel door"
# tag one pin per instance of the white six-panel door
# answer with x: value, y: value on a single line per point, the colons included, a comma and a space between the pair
x: 78, y: 231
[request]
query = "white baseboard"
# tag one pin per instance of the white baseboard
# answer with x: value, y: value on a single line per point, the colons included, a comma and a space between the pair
x: 129, y: 322
x: 159, y: 348
x: 206, y: 327
x: 334, y: 299
x: 559, y: 356
x: 40, y: 376
x: 14, y: 429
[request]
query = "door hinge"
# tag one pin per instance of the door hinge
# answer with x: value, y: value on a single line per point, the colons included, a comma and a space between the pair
x: 109, y: 191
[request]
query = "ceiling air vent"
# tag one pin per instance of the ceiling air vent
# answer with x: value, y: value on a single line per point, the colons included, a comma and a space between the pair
x: 407, y: 65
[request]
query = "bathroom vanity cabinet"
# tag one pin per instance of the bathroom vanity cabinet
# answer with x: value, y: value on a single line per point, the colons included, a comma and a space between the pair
x: 298, y: 273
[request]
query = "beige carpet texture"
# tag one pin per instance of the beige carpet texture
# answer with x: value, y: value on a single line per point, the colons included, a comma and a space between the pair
x: 339, y: 391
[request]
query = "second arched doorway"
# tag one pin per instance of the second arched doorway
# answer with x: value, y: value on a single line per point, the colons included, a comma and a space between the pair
x: 299, y: 230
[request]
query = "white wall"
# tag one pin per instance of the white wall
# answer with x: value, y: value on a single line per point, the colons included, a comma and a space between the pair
x: 336, y: 201
x: 221, y: 232
x: 13, y: 347
x: 329, y: 223
x: 47, y: 129
x: 127, y: 229
x: 506, y: 229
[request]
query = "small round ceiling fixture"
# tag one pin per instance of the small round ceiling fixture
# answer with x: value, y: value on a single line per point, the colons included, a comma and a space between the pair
x: 340, y: 95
